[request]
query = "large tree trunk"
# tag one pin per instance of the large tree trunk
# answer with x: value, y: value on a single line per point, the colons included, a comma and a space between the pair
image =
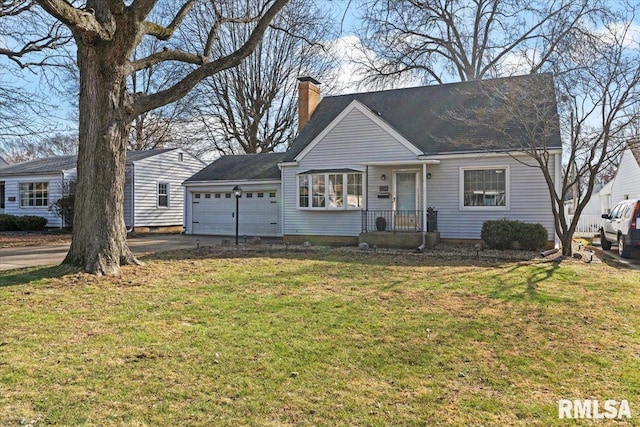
x: 99, y: 234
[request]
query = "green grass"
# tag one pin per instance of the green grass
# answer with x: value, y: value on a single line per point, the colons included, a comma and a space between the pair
x: 316, y: 338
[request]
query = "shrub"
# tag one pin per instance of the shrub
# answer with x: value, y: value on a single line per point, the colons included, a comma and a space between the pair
x: 533, y: 236
x: 64, y: 209
x: 509, y: 234
x: 31, y: 223
x: 22, y: 223
x: 8, y: 222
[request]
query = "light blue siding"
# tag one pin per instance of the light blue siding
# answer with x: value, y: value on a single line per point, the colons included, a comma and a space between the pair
x: 351, y: 143
x: 55, y: 192
x: 147, y: 173
x: 529, y: 199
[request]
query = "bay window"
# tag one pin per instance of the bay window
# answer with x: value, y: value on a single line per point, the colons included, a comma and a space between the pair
x: 328, y: 190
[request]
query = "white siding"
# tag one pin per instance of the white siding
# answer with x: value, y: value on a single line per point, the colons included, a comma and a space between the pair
x: 12, y: 190
x: 529, y: 199
x: 161, y: 168
x: 627, y: 181
x: 352, y: 142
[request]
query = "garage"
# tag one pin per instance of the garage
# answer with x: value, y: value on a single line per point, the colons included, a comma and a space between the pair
x: 213, y: 213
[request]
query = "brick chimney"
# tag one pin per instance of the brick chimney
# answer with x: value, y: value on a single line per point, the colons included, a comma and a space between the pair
x: 308, y: 99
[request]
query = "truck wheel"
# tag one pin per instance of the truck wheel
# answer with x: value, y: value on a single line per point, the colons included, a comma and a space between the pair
x: 622, y: 248
x: 604, y: 243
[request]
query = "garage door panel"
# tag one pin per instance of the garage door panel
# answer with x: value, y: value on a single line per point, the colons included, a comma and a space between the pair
x: 259, y: 216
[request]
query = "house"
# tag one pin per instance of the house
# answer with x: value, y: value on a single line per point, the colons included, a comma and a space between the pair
x: 153, y: 194
x: 390, y: 154
x: 626, y: 183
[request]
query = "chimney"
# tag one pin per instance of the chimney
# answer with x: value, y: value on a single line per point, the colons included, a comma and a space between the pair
x: 308, y: 99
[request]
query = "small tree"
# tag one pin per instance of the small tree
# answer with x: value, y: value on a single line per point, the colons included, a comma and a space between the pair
x: 64, y: 206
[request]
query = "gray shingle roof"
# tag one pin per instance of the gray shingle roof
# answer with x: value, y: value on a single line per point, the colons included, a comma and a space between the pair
x: 240, y: 167
x: 41, y: 166
x: 423, y: 114
x: 54, y: 165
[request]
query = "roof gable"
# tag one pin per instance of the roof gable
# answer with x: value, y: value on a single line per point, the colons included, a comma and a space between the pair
x: 421, y: 115
x: 377, y: 120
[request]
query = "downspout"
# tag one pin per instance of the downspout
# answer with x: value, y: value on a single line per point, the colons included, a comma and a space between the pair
x: 62, y: 188
x: 424, y: 208
x: 366, y: 199
x: 133, y: 198
x: 558, y: 179
x: 282, y: 201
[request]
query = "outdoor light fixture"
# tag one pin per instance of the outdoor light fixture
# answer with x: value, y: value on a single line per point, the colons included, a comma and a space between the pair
x: 237, y: 191
x: 383, y: 177
x: 428, y: 175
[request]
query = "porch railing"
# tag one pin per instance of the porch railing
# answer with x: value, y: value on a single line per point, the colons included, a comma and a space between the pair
x: 395, y: 220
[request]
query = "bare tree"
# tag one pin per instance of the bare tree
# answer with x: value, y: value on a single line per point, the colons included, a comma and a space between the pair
x: 30, y: 41
x: 461, y: 40
x: 106, y: 33
x: 60, y: 144
x: 29, y: 37
x: 598, y: 91
x: 251, y: 108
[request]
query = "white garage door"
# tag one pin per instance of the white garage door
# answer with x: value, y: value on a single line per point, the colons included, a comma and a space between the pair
x: 214, y: 213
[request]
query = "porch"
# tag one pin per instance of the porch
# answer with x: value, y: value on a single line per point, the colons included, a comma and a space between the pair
x: 400, y: 228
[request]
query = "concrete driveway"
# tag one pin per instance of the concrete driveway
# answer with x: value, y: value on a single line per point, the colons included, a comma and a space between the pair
x: 633, y: 262
x: 32, y: 256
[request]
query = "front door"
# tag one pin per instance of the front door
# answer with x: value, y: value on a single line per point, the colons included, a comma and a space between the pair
x: 406, y: 201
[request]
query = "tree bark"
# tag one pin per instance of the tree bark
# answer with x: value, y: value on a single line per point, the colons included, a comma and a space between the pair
x: 98, y: 242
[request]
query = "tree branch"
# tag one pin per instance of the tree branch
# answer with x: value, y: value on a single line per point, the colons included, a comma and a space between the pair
x: 165, y: 33
x: 79, y: 21
x: 145, y: 103
x: 167, y: 55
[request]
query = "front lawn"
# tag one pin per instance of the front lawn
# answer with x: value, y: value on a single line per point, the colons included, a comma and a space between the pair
x: 318, y: 337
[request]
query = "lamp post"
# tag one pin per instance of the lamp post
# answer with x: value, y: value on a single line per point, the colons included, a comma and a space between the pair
x: 237, y: 191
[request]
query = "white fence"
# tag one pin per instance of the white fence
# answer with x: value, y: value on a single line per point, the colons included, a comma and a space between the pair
x: 588, y: 225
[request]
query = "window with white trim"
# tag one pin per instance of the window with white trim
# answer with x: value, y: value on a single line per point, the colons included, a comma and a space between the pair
x: 328, y: 191
x: 34, y: 194
x: 485, y: 187
x: 163, y: 194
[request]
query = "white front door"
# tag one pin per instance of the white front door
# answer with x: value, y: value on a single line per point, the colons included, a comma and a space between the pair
x: 406, y: 191
x: 406, y: 214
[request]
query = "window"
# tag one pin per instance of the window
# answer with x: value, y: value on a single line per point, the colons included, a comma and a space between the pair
x: 227, y: 195
x: 1, y: 195
x: 260, y: 195
x: 249, y: 195
x: 34, y: 194
x: 207, y: 196
x: 485, y: 187
x: 217, y: 196
x: 272, y: 195
x: 163, y: 195
x: 197, y: 196
x: 180, y: 157
x: 354, y: 190
x: 328, y: 191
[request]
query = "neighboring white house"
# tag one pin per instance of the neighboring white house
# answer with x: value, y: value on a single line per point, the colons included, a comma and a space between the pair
x: 153, y: 193
x: 390, y: 154
x: 626, y: 183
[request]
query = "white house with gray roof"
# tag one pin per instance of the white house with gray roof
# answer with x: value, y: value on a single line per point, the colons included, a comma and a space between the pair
x: 154, y: 196
x: 394, y: 154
